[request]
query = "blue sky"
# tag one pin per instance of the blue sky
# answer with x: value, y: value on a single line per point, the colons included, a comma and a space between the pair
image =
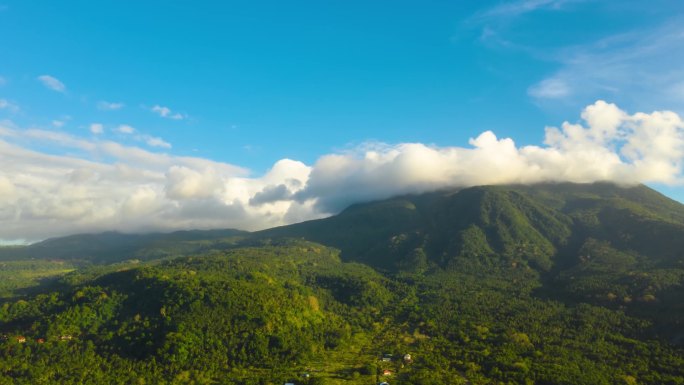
x: 226, y: 90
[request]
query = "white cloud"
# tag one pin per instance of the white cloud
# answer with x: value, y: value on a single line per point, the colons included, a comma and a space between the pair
x: 162, y: 111
x: 550, y: 89
x: 151, y: 141
x: 109, y: 106
x: 9, y: 106
x: 58, y: 123
x: 156, y: 142
x: 52, y: 83
x: 96, y: 128
x: 187, y: 183
x: 126, y: 192
x: 7, y: 189
x: 3, y: 81
x: 53, y: 137
x: 612, y: 146
x: 103, y: 185
x: 166, y: 112
x: 125, y: 129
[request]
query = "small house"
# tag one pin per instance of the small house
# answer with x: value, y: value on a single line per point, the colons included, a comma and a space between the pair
x: 21, y: 339
x: 407, y: 358
x: 40, y: 340
x: 387, y: 357
x: 386, y: 372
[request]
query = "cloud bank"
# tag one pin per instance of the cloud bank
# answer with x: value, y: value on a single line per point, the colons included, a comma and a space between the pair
x: 103, y: 185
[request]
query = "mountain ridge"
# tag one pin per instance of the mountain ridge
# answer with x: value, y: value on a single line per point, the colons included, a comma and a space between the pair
x: 543, y: 215
x: 504, y: 217
x: 554, y: 284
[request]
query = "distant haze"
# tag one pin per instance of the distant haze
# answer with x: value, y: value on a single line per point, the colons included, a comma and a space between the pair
x: 96, y: 185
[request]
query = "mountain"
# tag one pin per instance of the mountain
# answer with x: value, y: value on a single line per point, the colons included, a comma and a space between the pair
x: 543, y: 225
x: 611, y: 245
x: 543, y: 284
x: 596, y: 242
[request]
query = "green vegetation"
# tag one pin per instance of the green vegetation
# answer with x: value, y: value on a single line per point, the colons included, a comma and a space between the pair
x: 18, y: 277
x: 553, y: 284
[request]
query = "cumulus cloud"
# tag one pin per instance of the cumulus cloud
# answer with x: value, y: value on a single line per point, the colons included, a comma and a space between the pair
x: 166, y: 112
x: 271, y: 194
x: 610, y: 145
x: 109, y: 106
x: 103, y: 185
x: 44, y: 195
x: 52, y: 83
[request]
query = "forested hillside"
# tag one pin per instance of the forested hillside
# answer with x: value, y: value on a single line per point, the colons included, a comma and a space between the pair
x: 549, y: 284
x: 620, y: 247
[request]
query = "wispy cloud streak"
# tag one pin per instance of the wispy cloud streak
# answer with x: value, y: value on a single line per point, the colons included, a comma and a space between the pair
x: 109, y: 106
x: 636, y: 64
x: 516, y: 8
x: 52, y: 83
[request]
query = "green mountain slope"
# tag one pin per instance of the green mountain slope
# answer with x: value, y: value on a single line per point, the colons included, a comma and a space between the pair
x: 542, y: 225
x: 610, y: 245
x: 544, y: 284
